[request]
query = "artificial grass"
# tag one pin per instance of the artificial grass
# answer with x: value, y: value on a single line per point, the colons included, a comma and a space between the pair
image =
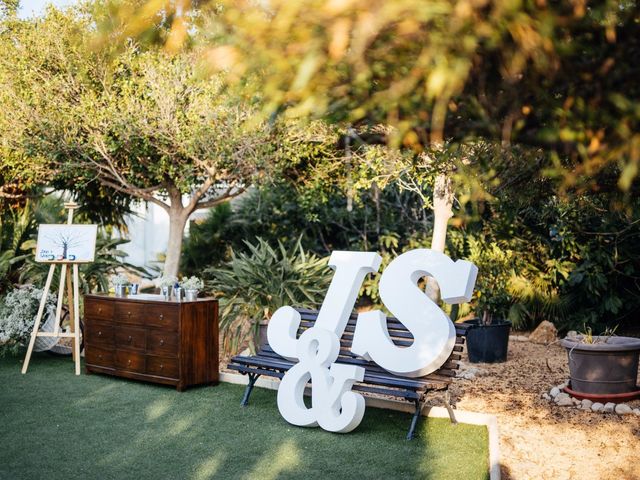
x: 55, y: 425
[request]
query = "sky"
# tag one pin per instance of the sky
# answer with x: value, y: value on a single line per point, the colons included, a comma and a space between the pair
x: 30, y: 8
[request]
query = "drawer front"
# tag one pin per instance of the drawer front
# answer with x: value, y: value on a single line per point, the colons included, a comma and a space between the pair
x: 97, y: 333
x: 131, y: 361
x: 163, y: 316
x: 98, y: 309
x: 130, y: 313
x: 162, y: 343
x: 99, y: 357
x: 163, y: 366
x: 130, y: 337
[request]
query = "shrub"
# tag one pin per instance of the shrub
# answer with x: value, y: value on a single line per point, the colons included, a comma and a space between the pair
x: 253, y: 285
x: 17, y: 315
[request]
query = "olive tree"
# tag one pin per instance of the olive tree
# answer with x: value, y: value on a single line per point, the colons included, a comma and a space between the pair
x: 140, y: 123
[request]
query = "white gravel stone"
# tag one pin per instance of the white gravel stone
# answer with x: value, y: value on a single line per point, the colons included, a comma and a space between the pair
x: 554, y: 392
x: 597, y: 407
x: 636, y: 411
x: 562, y: 396
x: 609, y: 407
x: 623, y: 409
x: 586, y: 404
x: 564, y: 401
x: 563, y: 384
x: 546, y: 396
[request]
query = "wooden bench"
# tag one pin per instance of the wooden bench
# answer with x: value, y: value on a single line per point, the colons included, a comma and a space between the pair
x: 376, y: 380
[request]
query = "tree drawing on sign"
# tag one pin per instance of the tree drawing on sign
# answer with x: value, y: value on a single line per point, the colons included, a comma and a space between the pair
x: 66, y: 239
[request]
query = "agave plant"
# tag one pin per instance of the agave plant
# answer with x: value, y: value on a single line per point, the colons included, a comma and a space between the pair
x: 254, y: 284
x: 536, y: 300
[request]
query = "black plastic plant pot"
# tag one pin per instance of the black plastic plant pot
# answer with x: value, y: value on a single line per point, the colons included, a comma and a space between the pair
x: 487, y: 343
x: 603, y: 368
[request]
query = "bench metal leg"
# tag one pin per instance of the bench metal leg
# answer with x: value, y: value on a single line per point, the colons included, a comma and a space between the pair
x: 247, y: 391
x: 414, y: 420
x: 447, y: 403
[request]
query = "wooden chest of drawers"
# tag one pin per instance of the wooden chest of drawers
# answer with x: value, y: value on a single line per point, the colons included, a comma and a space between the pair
x: 174, y: 343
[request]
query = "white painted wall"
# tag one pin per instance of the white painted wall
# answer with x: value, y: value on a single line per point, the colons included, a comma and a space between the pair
x: 148, y: 234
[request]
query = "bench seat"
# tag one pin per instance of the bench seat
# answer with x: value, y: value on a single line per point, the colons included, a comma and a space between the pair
x: 376, y: 381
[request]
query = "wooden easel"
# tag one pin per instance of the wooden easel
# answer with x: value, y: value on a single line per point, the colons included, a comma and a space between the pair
x: 73, y: 297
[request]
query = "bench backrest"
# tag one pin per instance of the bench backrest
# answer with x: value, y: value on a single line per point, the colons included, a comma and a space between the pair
x: 400, y: 336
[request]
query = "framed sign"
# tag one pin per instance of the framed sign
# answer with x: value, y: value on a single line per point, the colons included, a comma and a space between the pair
x: 66, y: 243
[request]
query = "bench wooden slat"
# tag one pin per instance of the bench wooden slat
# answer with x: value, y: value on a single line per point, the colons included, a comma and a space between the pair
x: 432, y: 384
x: 374, y: 377
x: 407, y: 394
x: 377, y: 378
x: 413, y: 394
x: 397, y: 335
x: 261, y: 371
x: 350, y: 358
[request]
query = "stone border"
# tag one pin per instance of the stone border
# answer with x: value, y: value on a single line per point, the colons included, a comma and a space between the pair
x: 562, y: 398
x: 472, y: 418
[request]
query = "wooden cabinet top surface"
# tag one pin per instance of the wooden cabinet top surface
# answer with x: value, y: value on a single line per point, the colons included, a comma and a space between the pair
x: 146, y: 298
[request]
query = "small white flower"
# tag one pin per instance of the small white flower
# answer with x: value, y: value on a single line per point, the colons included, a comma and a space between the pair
x: 192, y: 283
x: 119, y: 279
x: 167, y: 281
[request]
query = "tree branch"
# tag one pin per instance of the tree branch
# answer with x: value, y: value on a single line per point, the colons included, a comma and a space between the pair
x: 147, y: 197
x: 230, y: 193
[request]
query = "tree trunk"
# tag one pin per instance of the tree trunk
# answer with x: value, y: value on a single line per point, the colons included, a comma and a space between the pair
x: 442, y: 212
x: 177, y: 221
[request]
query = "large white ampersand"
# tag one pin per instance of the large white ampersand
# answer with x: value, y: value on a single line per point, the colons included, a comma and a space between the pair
x: 334, y: 406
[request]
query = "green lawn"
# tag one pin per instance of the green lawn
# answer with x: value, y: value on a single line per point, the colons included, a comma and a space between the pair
x: 55, y: 425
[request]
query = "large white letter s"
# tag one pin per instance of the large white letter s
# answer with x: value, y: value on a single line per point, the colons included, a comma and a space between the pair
x: 433, y: 332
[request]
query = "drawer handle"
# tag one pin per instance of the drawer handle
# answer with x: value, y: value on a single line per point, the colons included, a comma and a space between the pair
x: 161, y: 316
x: 128, y: 314
x: 100, y: 333
x: 100, y: 310
x: 128, y: 362
x: 129, y: 339
x: 161, y: 366
x: 100, y: 357
x: 161, y: 342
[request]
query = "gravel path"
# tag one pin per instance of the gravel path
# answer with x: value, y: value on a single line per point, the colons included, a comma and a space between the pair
x: 538, y: 439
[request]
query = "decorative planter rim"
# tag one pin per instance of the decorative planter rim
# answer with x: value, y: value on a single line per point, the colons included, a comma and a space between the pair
x: 477, y: 323
x: 613, y: 344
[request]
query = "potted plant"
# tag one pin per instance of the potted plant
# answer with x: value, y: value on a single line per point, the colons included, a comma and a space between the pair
x: 488, y: 333
x: 604, y: 367
x: 191, y: 285
x: 120, y: 283
x: 166, y: 285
